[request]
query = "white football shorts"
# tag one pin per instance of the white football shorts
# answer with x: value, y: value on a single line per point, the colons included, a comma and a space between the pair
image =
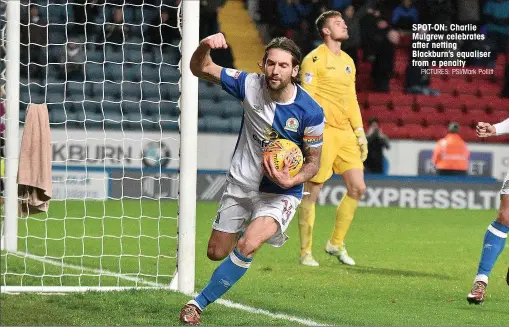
x: 505, y: 185
x: 240, y: 206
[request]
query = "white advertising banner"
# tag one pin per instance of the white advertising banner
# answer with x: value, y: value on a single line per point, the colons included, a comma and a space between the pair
x: 153, y: 149
x: 79, y: 185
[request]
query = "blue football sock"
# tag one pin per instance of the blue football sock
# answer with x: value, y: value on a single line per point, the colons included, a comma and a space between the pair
x: 224, y: 277
x: 494, y: 242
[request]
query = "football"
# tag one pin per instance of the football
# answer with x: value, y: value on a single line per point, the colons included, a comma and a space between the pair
x: 279, y: 149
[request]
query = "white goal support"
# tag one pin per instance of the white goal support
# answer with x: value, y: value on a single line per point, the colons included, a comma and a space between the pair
x: 123, y: 114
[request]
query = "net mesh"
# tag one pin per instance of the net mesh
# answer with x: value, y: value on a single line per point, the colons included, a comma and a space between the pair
x: 108, y: 72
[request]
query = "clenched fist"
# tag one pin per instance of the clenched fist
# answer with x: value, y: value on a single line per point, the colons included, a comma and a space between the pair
x: 215, y: 41
x: 485, y: 129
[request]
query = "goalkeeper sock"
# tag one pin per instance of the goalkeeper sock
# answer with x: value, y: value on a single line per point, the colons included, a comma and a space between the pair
x: 306, y: 223
x: 494, y: 242
x: 224, y: 277
x: 344, y: 217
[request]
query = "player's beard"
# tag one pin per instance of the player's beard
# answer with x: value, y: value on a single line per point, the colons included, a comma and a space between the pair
x: 283, y: 83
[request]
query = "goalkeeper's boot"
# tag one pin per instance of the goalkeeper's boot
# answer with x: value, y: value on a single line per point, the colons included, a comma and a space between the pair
x: 308, y: 260
x: 340, y: 253
x: 507, y: 277
x: 190, y: 315
x: 478, y: 292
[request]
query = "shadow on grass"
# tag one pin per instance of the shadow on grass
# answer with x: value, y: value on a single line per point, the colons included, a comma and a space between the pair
x: 396, y: 272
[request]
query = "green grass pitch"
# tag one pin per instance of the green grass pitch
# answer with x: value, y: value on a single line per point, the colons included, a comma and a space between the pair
x: 414, y: 268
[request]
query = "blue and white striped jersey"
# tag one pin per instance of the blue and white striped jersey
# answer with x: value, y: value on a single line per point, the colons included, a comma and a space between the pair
x: 300, y: 120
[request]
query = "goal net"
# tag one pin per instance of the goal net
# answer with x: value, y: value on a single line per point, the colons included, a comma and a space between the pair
x: 109, y: 72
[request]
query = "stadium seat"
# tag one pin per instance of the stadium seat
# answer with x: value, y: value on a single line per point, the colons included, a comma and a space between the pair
x: 379, y: 99
x: 496, y: 103
x: 169, y: 122
x: 150, y: 72
x: 170, y: 107
x: 488, y: 89
x: 92, y: 106
x: 169, y: 73
x: 394, y: 131
x: 202, y: 124
x: 113, y: 55
x: 55, y: 97
x: 149, y: 108
x: 170, y: 91
x: 436, y: 131
x: 217, y: 125
x: 469, y: 135
x: 132, y: 72
x: 410, y: 117
x: 400, y: 99
x: 94, y: 56
x: 210, y: 108
x: 111, y: 107
x: 150, y: 91
x: 131, y: 91
x: 231, y: 108
x: 113, y: 72
x: 427, y: 101
x: 465, y: 88
x: 472, y: 102
x: 235, y: 124
x: 112, y: 89
x: 94, y: 72
x: 449, y: 102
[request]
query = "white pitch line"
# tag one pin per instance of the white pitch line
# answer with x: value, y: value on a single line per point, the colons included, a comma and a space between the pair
x: 226, y: 303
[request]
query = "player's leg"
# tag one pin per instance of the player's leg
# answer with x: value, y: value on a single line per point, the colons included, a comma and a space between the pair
x: 350, y: 166
x: 233, y: 213
x: 494, y: 242
x: 307, y: 222
x: 308, y: 204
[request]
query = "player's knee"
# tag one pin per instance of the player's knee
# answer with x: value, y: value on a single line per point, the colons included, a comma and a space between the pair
x: 356, y: 191
x: 216, y: 253
x: 503, y: 216
x: 247, y: 247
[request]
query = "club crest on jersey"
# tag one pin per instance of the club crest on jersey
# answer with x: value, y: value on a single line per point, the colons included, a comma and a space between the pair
x: 292, y: 124
x: 308, y: 77
x: 233, y: 73
x: 315, y: 58
x: 348, y: 70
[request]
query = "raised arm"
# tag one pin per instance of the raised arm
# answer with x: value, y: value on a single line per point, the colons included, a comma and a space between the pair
x: 202, y: 65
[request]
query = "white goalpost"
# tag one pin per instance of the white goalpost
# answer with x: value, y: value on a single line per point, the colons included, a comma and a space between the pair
x: 123, y: 109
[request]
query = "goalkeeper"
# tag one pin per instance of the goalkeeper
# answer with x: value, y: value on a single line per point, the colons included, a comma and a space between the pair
x: 328, y: 75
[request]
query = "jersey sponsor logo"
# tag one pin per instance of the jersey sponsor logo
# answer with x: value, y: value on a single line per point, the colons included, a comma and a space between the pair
x: 308, y: 77
x: 233, y: 73
x: 292, y: 124
x: 331, y: 68
x: 313, y: 139
x: 348, y: 70
x: 269, y: 135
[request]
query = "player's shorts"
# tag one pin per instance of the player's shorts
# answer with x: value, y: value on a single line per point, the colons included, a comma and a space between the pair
x: 505, y: 186
x: 240, y: 206
x: 340, y: 153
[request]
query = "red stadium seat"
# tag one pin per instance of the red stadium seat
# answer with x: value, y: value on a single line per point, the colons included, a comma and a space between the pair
x: 497, y: 103
x: 400, y: 99
x: 488, y: 89
x: 379, y: 98
x: 468, y: 134
x: 427, y: 101
x: 436, y: 131
x: 472, y: 102
x: 467, y: 88
x: 394, y: 131
x: 449, y: 102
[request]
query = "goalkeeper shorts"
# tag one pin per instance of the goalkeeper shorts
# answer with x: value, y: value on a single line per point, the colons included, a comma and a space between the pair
x: 340, y: 153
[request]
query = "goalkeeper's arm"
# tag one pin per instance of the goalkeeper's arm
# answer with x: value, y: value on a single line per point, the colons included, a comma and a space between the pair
x: 355, y: 118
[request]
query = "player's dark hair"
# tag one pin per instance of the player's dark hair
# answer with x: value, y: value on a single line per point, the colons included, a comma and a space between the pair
x: 287, y: 45
x: 322, y: 19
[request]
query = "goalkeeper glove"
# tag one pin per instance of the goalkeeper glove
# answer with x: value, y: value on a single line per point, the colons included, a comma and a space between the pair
x: 362, y: 142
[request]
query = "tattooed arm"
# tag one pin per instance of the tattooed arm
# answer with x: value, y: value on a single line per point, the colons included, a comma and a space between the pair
x: 309, y: 168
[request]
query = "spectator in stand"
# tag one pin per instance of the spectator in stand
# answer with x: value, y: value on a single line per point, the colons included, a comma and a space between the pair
x: 340, y: 5
x: 505, y: 87
x: 115, y: 32
x: 163, y: 29
x: 377, y: 142
x: 209, y: 11
x: 73, y: 60
x: 405, y: 15
x: 382, y: 70
x: 291, y: 13
x: 496, y: 16
x: 33, y: 38
x: 415, y: 81
x: 451, y: 154
x: 435, y: 11
x: 373, y: 31
x: 352, y: 44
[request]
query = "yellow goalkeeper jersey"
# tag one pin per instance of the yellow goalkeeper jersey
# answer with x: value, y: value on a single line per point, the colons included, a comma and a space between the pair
x: 330, y: 80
